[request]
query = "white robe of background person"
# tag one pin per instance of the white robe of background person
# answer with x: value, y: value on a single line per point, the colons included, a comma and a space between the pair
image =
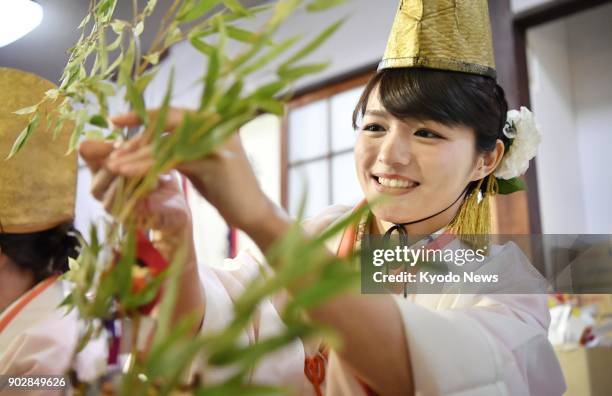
x: 460, y: 344
x: 41, y: 339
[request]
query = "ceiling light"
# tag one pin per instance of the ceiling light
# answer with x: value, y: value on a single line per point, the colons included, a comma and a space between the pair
x: 18, y: 18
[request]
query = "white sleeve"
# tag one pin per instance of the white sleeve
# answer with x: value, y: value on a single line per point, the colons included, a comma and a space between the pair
x: 285, y: 367
x: 479, y: 351
x: 484, y: 344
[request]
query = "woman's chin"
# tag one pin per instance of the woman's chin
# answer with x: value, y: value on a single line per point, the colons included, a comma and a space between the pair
x: 395, y: 214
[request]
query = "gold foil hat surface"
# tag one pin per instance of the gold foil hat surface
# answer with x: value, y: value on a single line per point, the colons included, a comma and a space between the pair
x: 38, y: 184
x: 441, y: 34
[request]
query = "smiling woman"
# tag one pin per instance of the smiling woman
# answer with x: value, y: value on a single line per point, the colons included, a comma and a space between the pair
x: 431, y: 135
x: 426, y: 138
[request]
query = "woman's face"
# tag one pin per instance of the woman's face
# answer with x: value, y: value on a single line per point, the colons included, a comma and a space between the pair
x: 419, y: 166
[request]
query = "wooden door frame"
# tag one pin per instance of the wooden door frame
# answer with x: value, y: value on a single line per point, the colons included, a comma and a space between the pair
x: 509, y: 40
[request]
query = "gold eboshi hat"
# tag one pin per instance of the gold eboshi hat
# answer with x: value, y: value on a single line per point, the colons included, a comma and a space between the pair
x: 38, y: 184
x: 441, y: 34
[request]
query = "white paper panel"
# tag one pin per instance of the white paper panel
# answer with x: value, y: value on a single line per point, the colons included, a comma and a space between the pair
x: 314, y: 176
x: 308, y: 131
x: 342, y: 106
x: 346, y: 189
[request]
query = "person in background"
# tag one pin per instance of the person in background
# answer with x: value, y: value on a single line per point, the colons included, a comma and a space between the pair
x: 37, y: 237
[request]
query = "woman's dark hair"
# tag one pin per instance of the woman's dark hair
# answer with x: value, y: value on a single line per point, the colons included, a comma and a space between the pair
x: 44, y: 253
x: 450, y: 98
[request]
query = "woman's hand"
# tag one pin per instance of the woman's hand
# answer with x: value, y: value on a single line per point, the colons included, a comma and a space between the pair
x: 224, y: 178
x: 165, y: 211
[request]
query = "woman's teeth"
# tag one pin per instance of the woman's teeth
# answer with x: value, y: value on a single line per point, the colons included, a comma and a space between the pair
x: 396, y: 183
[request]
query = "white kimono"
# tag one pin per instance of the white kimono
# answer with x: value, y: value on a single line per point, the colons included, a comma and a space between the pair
x: 476, y: 344
x: 41, y: 339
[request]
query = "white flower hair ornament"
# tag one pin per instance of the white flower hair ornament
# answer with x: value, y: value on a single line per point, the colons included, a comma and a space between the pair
x: 524, y: 138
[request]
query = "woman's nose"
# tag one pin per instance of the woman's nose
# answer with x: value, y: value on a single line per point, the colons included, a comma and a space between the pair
x: 395, y: 149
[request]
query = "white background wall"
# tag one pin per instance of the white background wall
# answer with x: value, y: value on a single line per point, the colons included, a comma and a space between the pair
x: 571, y: 94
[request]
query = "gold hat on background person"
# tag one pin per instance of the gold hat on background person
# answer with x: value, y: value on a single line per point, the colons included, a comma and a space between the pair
x: 441, y: 34
x: 38, y: 184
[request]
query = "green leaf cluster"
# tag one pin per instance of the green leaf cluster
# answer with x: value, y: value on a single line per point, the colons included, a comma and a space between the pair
x: 107, y: 61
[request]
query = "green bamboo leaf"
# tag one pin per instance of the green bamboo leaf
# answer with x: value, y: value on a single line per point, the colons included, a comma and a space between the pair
x: 196, y: 11
x: 242, y: 390
x: 133, y: 301
x: 27, y: 110
x: 296, y: 72
x: 52, y: 94
x: 23, y: 136
x: 134, y: 97
x: 165, y: 320
x: 150, y: 7
x: 313, y: 45
x: 105, y: 9
x: 249, y: 355
x: 161, y: 360
x: 230, y: 97
x: 94, y: 134
x: 282, y: 10
x: 173, y: 37
x: 122, y: 270
x: 143, y: 81
x: 113, y: 66
x: 322, y: 5
x: 153, y: 58
x: 84, y: 21
x: 236, y: 7
x: 202, y: 46
x: 269, y: 90
x: 118, y: 26
x: 71, y: 75
x: 105, y: 88
x: 272, y: 54
x: 241, y: 34
x: 138, y: 28
x: 81, y: 120
x: 212, y: 75
x: 324, y: 289
x: 99, y: 121
x: 271, y: 106
x: 115, y: 44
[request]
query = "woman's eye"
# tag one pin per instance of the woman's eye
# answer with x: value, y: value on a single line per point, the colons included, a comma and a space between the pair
x: 427, y: 134
x: 373, y: 128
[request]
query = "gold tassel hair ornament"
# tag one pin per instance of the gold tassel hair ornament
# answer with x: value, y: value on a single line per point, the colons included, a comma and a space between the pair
x: 472, y: 224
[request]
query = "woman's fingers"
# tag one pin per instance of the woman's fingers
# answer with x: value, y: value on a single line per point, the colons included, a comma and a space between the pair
x: 174, y: 118
x: 136, y: 163
x: 94, y: 153
x: 126, y: 120
x: 110, y: 196
x: 100, y: 183
x: 120, y: 158
x: 136, y: 169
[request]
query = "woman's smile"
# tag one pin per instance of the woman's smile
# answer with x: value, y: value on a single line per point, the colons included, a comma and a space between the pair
x: 392, y: 184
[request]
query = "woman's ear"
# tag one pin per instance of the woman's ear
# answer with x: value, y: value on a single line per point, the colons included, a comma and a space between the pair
x: 488, y: 161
